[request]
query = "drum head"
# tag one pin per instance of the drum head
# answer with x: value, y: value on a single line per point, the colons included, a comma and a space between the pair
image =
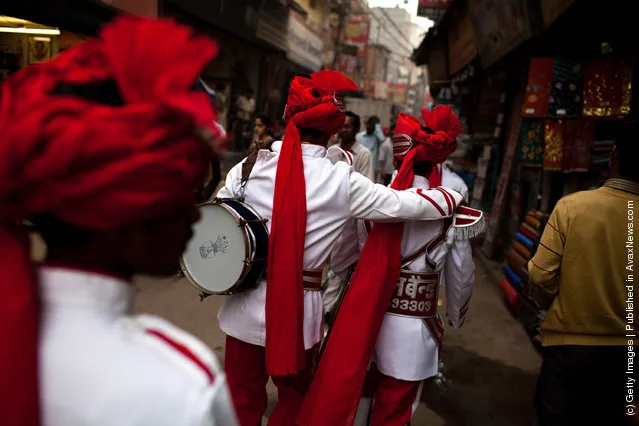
x: 214, y: 258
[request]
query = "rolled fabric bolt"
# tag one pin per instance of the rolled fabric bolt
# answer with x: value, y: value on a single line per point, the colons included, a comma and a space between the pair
x: 527, y: 242
x: 510, y: 294
x: 521, y: 249
x: 514, y: 279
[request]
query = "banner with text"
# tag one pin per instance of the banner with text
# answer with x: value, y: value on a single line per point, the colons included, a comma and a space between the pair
x: 433, y: 9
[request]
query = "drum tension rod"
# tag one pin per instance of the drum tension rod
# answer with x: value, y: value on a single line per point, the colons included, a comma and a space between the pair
x: 251, y: 261
x: 203, y: 296
x: 244, y: 222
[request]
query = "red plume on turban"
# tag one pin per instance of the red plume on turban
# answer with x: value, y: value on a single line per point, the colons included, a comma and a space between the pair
x: 313, y: 103
x: 95, y: 163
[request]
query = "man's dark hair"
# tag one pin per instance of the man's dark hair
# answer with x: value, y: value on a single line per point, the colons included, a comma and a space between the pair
x: 249, y: 91
x: 356, y: 120
x: 373, y: 119
x: 627, y: 143
x: 58, y: 232
x: 220, y: 87
x: 310, y: 135
x: 421, y: 168
x: 265, y: 119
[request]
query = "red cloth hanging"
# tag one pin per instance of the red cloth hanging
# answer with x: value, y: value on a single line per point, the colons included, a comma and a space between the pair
x: 312, y: 103
x: 538, y: 87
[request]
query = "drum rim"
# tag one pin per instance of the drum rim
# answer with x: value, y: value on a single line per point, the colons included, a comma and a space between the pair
x: 246, y: 266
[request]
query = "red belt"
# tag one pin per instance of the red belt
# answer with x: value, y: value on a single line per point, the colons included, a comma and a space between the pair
x: 312, y: 279
x: 415, y: 295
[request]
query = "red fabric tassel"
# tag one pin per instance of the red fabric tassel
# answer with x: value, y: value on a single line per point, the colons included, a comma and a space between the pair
x: 435, y: 178
x: 312, y: 103
x: 285, y: 289
x: 334, y: 394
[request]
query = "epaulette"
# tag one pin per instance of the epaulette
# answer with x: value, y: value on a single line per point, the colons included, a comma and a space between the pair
x: 335, y: 154
x: 468, y: 223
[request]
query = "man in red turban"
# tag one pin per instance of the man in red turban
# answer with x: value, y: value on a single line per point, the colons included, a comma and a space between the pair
x: 103, y: 150
x: 393, y: 293
x: 432, y: 253
x: 274, y: 330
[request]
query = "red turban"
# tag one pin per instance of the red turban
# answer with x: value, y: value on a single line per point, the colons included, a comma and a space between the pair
x: 334, y: 394
x: 313, y: 104
x: 105, y: 135
x: 433, y: 143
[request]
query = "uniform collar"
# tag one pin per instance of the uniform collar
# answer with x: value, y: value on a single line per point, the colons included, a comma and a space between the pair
x: 420, y: 182
x: 623, y: 185
x: 79, y: 289
x: 308, y: 150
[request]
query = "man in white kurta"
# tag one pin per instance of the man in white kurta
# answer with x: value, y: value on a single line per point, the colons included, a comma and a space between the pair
x: 335, y: 194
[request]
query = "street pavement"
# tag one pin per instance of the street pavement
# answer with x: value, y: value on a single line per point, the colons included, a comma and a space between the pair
x: 491, y: 366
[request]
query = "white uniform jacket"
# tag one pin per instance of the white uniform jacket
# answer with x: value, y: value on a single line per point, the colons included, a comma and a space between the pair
x: 334, y: 195
x: 406, y: 348
x: 100, y: 367
x: 347, y: 248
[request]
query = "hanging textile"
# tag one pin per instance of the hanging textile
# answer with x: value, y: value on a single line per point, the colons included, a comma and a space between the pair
x: 540, y: 79
x: 553, y: 144
x: 608, y: 87
x: 565, y: 93
x: 579, y: 136
x: 531, y: 143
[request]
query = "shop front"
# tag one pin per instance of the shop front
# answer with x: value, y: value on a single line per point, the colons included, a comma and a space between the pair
x: 33, y: 31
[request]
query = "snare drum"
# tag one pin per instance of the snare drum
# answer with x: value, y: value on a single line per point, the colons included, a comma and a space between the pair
x: 228, y: 251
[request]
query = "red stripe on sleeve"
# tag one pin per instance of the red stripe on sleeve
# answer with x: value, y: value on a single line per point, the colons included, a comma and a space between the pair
x: 452, y: 199
x: 184, y: 351
x: 420, y: 192
x: 447, y: 198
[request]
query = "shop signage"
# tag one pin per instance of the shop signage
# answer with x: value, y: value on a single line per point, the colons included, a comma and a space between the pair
x: 461, y: 41
x: 551, y: 9
x: 390, y: 91
x: 400, y: 93
x: 367, y: 87
x: 433, y: 9
x: 467, y: 73
x: 269, y: 29
x: 500, y: 26
x: 148, y: 8
x: 304, y: 46
x: 356, y: 29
